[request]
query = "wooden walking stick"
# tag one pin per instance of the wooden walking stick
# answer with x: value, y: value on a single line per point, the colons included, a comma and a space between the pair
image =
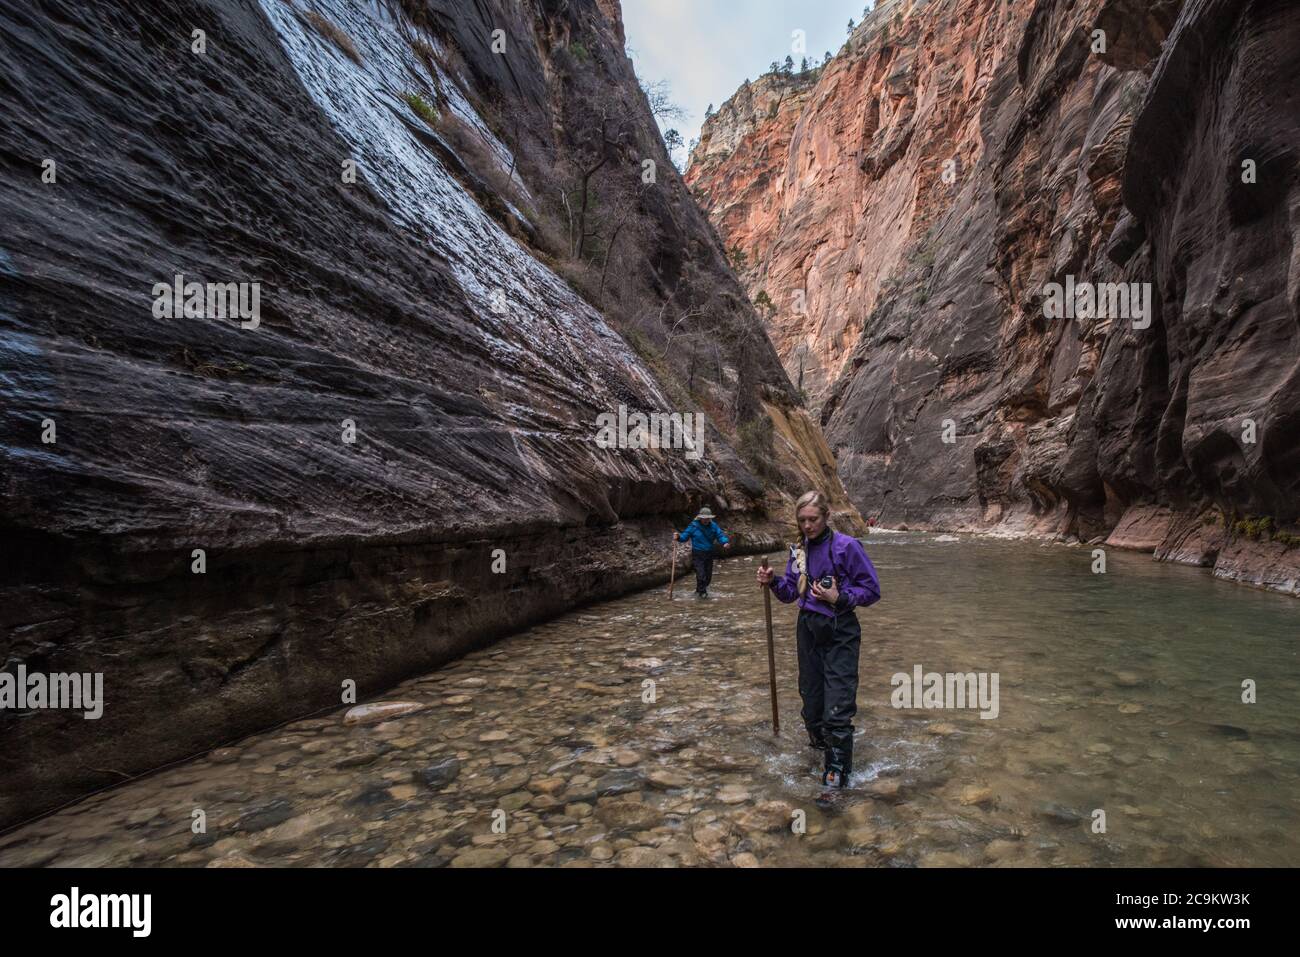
x: 672, y: 564
x: 771, y: 654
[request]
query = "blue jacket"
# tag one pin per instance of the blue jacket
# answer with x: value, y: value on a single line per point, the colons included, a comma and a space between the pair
x: 841, y: 556
x: 703, y: 536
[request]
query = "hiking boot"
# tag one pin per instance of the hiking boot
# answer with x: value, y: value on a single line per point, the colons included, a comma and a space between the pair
x: 834, y: 778
x: 815, y: 740
x: 839, y: 753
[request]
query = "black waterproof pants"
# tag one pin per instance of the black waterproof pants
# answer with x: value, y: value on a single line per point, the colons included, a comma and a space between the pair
x: 828, y: 682
x: 703, y: 562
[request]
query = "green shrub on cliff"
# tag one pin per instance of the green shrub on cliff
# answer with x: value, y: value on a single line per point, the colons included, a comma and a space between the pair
x: 422, y: 107
x: 1254, y: 528
x: 1263, y: 528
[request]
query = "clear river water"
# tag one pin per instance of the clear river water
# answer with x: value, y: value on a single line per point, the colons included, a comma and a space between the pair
x: 637, y: 733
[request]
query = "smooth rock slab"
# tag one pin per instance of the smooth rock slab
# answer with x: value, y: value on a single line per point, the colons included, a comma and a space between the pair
x: 546, y: 785
x: 1001, y: 849
x: 277, y: 812
x: 631, y: 816
x: 863, y: 836
x: 1060, y: 814
x: 666, y: 780
x: 381, y: 711
x: 768, y: 817
x: 641, y: 857
x: 975, y: 795
x: 886, y: 789
x: 733, y: 794
x: 143, y: 815
x: 615, y: 782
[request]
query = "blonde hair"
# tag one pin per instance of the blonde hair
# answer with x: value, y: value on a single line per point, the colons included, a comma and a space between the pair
x: 813, y: 498
x: 799, y: 553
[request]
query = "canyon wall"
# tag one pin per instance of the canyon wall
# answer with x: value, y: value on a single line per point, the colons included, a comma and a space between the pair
x: 467, y: 243
x: 954, y: 169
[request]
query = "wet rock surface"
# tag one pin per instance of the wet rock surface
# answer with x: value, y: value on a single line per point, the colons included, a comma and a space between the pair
x: 473, y: 429
x: 686, y: 772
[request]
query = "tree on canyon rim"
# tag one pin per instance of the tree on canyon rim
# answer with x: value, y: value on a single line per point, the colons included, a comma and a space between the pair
x: 673, y: 142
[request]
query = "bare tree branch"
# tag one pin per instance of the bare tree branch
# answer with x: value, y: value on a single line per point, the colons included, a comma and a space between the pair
x: 659, y: 95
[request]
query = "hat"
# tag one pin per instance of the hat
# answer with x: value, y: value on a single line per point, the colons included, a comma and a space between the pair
x: 705, y: 512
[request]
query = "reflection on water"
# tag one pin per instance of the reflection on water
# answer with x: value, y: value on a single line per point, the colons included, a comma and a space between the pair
x: 1119, y: 692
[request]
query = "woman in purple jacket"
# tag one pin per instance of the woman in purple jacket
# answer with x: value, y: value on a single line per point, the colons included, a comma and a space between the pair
x: 829, y: 575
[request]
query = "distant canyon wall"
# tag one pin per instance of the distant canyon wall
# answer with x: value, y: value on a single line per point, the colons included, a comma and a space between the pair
x: 914, y: 210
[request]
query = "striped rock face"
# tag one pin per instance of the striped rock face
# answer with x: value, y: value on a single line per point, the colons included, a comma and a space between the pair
x: 303, y: 357
x: 915, y: 209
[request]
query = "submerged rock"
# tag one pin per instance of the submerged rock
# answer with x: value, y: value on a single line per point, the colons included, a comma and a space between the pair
x: 617, y: 782
x: 276, y: 812
x: 767, y: 816
x: 976, y: 795
x: 667, y: 780
x: 1060, y: 814
x: 439, y: 774
x: 629, y: 816
x: 1230, y: 731
x: 381, y: 711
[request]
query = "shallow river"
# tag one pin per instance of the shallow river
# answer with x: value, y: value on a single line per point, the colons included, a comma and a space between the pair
x: 1118, y: 693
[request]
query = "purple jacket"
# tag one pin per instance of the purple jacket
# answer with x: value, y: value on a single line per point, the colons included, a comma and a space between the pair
x: 849, y: 564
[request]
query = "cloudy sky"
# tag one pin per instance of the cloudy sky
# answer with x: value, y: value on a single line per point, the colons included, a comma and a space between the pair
x: 706, y: 48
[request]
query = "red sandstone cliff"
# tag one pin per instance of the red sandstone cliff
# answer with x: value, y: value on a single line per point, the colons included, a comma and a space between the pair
x: 908, y: 211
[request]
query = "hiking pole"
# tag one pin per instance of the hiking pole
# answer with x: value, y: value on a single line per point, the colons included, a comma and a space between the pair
x: 672, y: 564
x: 771, y: 654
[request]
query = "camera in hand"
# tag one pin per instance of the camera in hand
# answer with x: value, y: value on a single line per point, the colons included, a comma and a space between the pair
x: 826, y: 581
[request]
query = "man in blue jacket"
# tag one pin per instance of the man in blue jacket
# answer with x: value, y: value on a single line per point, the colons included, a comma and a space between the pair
x: 702, y: 534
